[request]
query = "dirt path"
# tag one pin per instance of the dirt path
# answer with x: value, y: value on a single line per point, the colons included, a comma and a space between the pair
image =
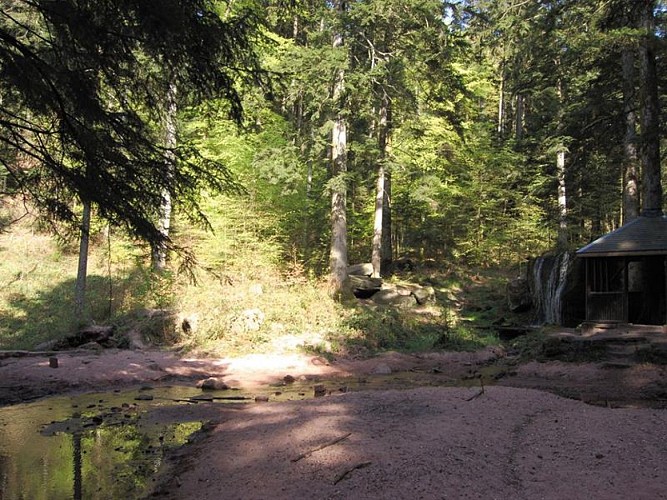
x: 507, y: 441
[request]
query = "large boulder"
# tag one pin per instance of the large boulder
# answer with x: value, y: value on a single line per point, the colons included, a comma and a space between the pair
x: 519, y: 298
x: 365, y: 269
x: 424, y: 294
x: 364, y: 287
x: 394, y: 298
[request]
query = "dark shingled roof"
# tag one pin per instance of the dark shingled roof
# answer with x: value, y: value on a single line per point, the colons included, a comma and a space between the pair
x: 641, y: 236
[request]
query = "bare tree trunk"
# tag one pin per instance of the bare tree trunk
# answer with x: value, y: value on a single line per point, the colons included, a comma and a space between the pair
x: 630, y: 156
x: 518, y: 119
x: 562, y: 200
x: 159, y: 250
x: 650, y: 139
x: 376, y: 254
x: 381, y: 250
x: 82, y: 270
x: 387, y: 228
x: 501, y: 101
x: 338, y: 255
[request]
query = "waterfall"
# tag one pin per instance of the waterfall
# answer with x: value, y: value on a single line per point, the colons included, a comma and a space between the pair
x: 548, y: 284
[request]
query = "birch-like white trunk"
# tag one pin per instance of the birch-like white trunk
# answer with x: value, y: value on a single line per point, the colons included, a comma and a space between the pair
x: 159, y: 257
x: 338, y: 260
x: 381, y: 254
x: 562, y: 200
x: 376, y: 254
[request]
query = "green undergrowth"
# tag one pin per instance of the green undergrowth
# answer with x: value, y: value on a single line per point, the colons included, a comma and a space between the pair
x: 243, y: 294
x: 37, y: 278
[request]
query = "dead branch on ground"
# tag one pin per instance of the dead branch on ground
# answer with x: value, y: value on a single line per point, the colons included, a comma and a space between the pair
x: 321, y: 447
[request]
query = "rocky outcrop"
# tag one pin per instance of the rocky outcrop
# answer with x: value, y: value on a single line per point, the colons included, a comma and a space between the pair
x: 519, y: 298
x: 404, y: 295
x: 363, y: 286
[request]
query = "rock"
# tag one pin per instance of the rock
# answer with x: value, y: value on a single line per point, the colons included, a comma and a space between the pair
x: 189, y: 323
x: 89, y: 337
x: 319, y: 390
x: 47, y: 346
x: 424, y: 294
x: 365, y: 269
x: 96, y: 332
x: 391, y: 297
x: 155, y: 326
x: 144, y: 397
x: 363, y: 287
x: 135, y: 340
x: 212, y: 384
x: 91, y: 346
x: 261, y: 399
x: 53, y: 362
x: 382, y: 369
x: 289, y: 379
x: 518, y: 295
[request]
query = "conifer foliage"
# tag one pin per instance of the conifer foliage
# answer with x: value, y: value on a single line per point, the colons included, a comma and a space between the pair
x: 82, y: 85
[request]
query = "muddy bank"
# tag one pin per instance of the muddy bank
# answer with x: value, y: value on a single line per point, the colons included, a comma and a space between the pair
x: 27, y: 377
x: 516, y: 430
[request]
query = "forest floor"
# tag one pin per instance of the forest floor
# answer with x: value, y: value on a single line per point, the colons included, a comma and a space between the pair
x: 437, y: 425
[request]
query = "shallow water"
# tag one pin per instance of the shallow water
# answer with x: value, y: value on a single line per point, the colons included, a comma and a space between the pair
x: 111, y: 445
x: 92, y: 446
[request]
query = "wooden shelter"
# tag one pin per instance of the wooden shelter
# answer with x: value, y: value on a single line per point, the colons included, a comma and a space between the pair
x: 626, y: 273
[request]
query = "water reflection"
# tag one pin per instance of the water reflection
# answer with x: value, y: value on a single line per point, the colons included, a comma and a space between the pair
x: 101, y: 446
x: 91, y: 446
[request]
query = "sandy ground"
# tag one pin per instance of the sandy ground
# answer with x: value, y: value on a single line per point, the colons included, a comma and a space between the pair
x: 517, y: 439
x: 429, y: 443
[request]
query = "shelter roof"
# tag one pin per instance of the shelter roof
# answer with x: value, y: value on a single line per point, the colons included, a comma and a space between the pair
x: 641, y: 236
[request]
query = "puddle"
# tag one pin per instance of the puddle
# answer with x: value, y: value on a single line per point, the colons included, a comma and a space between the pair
x: 111, y: 445
x: 92, y: 446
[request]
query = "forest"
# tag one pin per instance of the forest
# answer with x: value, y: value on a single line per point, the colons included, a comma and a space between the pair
x: 237, y: 142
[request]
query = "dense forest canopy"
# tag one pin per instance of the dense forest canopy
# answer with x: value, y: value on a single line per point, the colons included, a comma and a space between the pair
x: 480, y: 131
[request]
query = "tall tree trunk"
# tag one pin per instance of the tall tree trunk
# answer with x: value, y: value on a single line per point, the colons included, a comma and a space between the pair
x: 338, y: 254
x: 650, y: 138
x: 387, y: 228
x: 630, y: 156
x: 159, y: 254
x: 376, y: 253
x: 381, y: 250
x: 501, y: 101
x: 518, y: 119
x: 82, y: 269
x: 562, y: 200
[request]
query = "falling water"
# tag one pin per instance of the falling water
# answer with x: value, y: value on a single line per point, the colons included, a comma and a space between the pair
x: 549, y: 280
